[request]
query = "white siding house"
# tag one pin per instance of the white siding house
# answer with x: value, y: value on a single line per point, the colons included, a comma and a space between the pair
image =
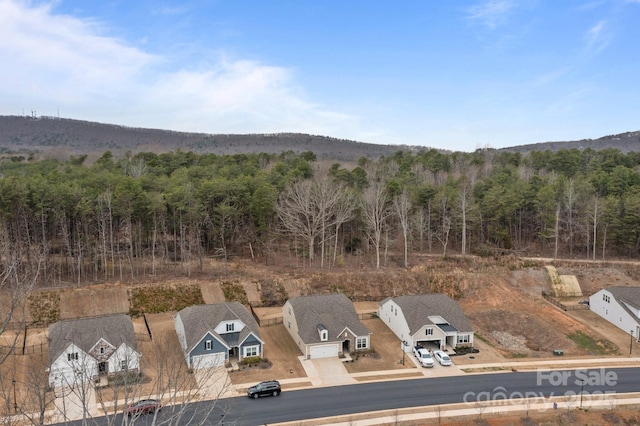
x: 432, y: 319
x: 620, y: 306
x: 81, y: 350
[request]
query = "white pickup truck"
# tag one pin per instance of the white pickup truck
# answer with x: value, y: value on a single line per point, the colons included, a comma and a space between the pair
x: 424, y: 357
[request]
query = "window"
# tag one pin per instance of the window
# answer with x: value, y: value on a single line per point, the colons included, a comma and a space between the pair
x: 207, y: 345
x: 324, y: 335
x: 463, y: 338
x: 73, y: 356
x: 251, y: 351
x: 289, y: 324
x: 102, y: 350
x: 429, y: 331
x: 230, y: 327
x: 124, y: 365
x: 361, y: 343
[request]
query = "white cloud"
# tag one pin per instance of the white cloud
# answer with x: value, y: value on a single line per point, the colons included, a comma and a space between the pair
x: 490, y: 13
x: 597, y: 37
x: 52, y: 61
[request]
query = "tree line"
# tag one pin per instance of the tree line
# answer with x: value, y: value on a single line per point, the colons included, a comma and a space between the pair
x: 120, y: 218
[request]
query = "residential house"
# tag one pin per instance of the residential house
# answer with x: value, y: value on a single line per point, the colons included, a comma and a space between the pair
x: 212, y: 335
x: 433, y: 320
x: 325, y: 325
x: 620, y: 306
x: 83, y: 349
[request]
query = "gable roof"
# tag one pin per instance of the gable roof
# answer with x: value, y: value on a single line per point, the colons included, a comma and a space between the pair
x: 335, y: 312
x: 199, y: 320
x: 418, y: 308
x: 629, y: 295
x: 86, y: 332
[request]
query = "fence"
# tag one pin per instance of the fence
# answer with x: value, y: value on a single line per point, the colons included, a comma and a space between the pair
x: 561, y: 305
x: 264, y: 322
x: 367, y: 315
x: 23, y: 349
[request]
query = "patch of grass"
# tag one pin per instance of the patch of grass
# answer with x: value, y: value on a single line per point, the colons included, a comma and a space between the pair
x: 152, y: 300
x: 591, y: 345
x: 482, y: 338
x: 518, y: 355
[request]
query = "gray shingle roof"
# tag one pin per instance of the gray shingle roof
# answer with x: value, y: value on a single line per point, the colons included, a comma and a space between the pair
x: 629, y: 295
x: 417, y: 309
x: 199, y: 320
x: 86, y: 332
x: 333, y: 311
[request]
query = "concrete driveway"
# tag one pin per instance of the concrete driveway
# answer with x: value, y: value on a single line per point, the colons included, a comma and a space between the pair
x: 326, y: 371
x: 213, y: 382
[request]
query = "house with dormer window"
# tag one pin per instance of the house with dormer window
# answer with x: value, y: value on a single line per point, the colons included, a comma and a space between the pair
x: 84, y: 349
x: 212, y: 335
x: 620, y: 306
x: 432, y: 320
x: 325, y: 325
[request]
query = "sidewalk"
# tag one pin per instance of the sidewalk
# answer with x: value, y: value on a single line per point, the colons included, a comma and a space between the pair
x: 468, y: 411
x: 552, y: 363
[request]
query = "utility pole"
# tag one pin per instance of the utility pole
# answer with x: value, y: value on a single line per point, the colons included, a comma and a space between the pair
x: 581, y: 391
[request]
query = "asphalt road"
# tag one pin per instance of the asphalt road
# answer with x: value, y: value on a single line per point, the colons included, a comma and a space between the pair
x: 344, y: 400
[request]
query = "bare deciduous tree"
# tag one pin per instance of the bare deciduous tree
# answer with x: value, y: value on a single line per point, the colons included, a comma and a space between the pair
x: 375, y: 211
x: 310, y: 210
x: 402, y: 205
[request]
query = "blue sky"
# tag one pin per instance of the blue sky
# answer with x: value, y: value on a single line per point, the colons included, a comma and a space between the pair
x: 455, y: 75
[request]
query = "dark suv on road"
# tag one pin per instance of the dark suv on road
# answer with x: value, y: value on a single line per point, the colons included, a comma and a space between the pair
x: 272, y: 387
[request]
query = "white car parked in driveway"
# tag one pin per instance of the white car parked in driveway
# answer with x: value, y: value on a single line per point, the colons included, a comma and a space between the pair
x: 423, y: 356
x: 442, y: 358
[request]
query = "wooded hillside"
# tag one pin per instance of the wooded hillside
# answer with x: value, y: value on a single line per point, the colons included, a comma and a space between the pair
x: 121, y: 218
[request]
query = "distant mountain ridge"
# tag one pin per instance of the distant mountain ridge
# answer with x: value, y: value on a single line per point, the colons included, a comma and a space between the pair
x: 625, y: 142
x: 23, y: 135
x: 20, y: 135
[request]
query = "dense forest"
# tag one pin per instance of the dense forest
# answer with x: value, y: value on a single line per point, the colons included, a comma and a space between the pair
x: 143, y: 214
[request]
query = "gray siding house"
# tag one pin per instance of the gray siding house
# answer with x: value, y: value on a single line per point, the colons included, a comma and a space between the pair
x: 211, y: 335
x: 325, y: 325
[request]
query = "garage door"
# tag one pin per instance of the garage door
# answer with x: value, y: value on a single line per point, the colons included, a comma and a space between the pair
x: 208, y: 361
x: 64, y: 378
x: 324, y: 351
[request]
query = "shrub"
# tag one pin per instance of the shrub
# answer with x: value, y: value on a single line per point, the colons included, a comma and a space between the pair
x: 125, y: 378
x: 251, y: 360
x: 272, y: 293
x: 234, y: 292
x: 44, y: 308
x: 151, y: 300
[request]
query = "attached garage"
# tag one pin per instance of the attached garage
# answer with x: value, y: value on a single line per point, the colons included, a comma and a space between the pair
x: 208, y: 361
x: 323, y: 351
x: 64, y: 378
